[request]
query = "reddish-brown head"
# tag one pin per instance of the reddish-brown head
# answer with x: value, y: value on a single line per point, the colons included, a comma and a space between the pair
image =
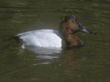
x: 71, y: 22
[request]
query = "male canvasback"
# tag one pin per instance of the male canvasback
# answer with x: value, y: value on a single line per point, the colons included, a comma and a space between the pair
x: 50, y: 38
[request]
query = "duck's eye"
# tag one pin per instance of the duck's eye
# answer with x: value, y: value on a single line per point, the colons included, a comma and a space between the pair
x: 76, y: 19
x: 79, y: 25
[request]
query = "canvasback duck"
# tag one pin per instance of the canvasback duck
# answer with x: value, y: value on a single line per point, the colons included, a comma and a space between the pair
x: 49, y: 38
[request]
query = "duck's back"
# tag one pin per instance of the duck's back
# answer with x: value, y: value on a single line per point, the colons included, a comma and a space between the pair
x: 41, y: 38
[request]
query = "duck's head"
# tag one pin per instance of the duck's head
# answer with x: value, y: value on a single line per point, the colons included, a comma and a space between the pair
x: 78, y: 26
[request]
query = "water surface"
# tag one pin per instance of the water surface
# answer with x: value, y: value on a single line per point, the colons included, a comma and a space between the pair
x: 89, y: 63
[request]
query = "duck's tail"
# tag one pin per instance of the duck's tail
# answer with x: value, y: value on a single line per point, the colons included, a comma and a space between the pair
x: 16, y: 38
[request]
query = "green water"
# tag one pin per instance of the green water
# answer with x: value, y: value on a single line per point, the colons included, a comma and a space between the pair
x: 87, y: 64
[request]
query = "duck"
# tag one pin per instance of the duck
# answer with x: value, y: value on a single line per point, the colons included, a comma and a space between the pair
x: 50, y: 38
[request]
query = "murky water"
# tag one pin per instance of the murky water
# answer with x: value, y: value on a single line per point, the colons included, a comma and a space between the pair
x: 89, y: 63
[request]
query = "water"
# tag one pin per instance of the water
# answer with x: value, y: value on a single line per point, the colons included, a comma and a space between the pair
x: 89, y: 63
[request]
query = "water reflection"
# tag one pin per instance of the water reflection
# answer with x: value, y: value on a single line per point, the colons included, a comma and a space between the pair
x: 68, y: 62
x: 43, y: 59
x: 46, y: 57
x: 33, y: 79
x: 41, y: 63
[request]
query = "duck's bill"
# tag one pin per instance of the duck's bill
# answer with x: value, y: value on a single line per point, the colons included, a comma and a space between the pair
x: 84, y: 29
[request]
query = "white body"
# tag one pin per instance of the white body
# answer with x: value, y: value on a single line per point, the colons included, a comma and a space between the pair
x: 47, y: 38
